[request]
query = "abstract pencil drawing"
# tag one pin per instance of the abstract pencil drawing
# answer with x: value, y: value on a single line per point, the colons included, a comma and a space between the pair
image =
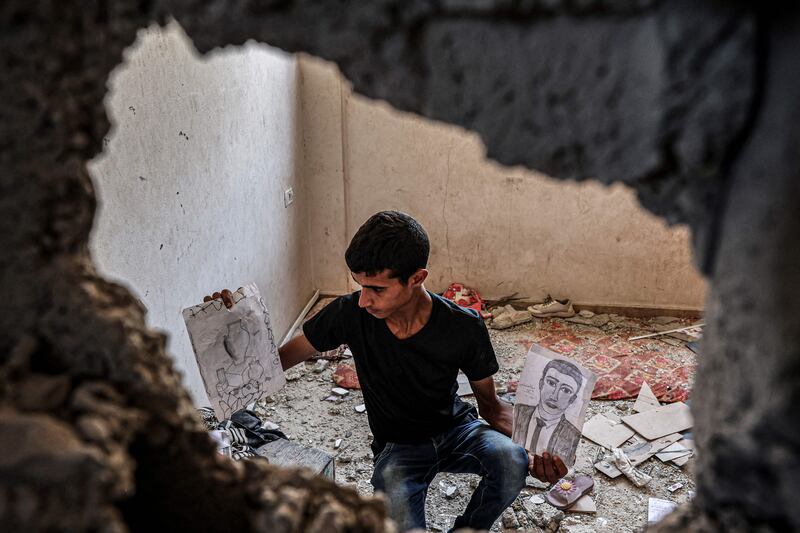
x: 235, y: 351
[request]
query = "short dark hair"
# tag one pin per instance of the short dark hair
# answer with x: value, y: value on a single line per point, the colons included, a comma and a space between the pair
x: 389, y: 240
x: 565, y: 367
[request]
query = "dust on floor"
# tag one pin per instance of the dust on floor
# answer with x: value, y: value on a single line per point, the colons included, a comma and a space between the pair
x: 305, y: 416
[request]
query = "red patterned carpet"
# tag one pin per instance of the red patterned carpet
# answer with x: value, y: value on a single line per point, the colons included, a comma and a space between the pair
x: 621, y: 365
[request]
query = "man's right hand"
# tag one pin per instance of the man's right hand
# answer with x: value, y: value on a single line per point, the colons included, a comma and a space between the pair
x: 225, y: 295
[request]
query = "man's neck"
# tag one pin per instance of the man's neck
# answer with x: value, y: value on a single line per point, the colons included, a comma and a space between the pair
x: 547, y: 417
x: 411, y: 317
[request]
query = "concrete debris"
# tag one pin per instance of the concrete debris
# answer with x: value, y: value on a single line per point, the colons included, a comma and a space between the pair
x: 638, y: 452
x: 664, y: 320
x: 331, y: 398
x: 607, y: 430
x: 674, y: 451
x: 272, y: 426
x: 337, y: 443
x: 443, y: 523
x: 594, y: 320
x: 531, y: 481
x: 320, y: 366
x: 361, y: 408
x: 510, y: 520
x: 506, y: 317
x: 660, y: 421
x: 585, y: 313
x: 585, y: 504
x: 345, y: 376
x: 536, y: 499
x: 448, y: 489
x: 646, y: 399
x: 340, y: 391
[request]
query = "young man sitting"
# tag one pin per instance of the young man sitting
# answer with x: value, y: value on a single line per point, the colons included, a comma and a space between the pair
x: 408, y: 345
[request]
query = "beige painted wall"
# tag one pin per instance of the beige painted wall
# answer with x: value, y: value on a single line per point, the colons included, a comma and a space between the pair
x: 500, y: 229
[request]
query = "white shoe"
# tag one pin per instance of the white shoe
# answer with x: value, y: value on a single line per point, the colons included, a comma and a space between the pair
x: 552, y: 308
x: 505, y: 317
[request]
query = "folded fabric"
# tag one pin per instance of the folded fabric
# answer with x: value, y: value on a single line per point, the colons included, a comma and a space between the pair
x: 466, y: 297
x: 244, y: 430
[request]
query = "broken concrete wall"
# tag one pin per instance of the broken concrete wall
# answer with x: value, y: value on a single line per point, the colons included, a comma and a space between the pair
x: 191, y: 181
x: 501, y: 229
x: 710, y: 107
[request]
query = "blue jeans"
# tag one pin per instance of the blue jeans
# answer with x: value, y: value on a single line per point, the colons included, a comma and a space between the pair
x: 404, y: 471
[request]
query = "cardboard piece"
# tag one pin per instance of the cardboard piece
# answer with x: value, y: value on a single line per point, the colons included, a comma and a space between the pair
x: 585, y: 504
x: 661, y: 421
x: 657, y: 509
x: 638, y: 452
x: 607, y: 430
x: 646, y: 399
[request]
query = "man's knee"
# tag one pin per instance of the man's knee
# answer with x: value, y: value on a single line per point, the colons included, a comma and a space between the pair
x: 509, y: 463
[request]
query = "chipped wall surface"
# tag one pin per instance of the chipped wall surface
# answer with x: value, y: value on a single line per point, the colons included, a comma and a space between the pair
x: 191, y: 182
x: 500, y: 229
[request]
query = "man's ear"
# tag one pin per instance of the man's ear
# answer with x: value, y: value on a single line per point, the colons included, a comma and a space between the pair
x: 418, y: 277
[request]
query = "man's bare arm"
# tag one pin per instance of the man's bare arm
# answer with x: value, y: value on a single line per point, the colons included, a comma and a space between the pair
x: 498, y: 413
x: 295, y: 351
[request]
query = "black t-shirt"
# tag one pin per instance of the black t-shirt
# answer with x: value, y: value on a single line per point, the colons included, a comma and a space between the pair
x: 409, y: 385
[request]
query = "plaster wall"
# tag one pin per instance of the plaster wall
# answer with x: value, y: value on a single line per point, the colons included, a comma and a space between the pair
x: 191, y: 182
x: 499, y: 229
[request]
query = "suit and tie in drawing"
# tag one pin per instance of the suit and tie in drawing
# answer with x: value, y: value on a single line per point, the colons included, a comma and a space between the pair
x: 543, y: 427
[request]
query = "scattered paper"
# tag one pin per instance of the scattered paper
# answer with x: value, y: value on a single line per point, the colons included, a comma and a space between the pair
x: 235, y: 350
x: 552, y: 397
x: 585, y: 504
x: 638, y: 452
x: 674, y: 487
x: 646, y: 399
x: 607, y: 430
x: 657, y: 509
x: 661, y: 421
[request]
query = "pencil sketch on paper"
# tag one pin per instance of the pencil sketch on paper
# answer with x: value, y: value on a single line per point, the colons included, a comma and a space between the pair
x: 550, y: 409
x: 235, y: 350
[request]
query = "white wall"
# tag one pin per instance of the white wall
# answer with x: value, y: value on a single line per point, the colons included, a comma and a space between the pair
x: 191, y: 183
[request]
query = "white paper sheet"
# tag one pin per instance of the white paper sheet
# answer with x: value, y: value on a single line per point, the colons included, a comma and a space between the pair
x: 235, y: 350
x: 552, y: 396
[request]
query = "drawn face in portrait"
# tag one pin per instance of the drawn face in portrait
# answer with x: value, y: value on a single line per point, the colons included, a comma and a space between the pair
x: 557, y: 391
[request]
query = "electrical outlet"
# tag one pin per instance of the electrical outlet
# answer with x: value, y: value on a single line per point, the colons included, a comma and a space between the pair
x: 288, y: 197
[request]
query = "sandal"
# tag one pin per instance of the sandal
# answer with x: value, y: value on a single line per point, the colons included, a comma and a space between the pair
x: 567, y: 491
